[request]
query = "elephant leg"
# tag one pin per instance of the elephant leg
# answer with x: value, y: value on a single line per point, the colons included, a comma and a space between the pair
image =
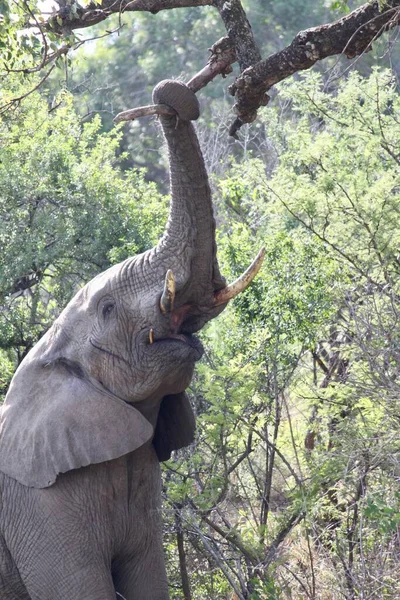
x: 141, y: 578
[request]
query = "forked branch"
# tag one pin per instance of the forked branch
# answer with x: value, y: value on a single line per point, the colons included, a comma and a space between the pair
x: 351, y: 36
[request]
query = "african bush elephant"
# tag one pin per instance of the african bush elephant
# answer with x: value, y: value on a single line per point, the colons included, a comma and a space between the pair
x: 100, y: 400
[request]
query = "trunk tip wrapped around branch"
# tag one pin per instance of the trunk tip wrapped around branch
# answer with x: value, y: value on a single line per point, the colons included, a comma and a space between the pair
x: 178, y: 96
x: 241, y: 283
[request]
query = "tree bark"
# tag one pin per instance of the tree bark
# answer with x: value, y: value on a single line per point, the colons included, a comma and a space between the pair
x: 351, y: 36
x: 64, y: 20
x: 239, y: 32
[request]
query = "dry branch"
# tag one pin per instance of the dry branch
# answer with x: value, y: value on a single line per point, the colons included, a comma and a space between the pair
x: 64, y: 20
x: 144, y: 111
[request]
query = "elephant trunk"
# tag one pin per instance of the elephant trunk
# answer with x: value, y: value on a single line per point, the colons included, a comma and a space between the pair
x: 188, y: 246
x: 194, y: 290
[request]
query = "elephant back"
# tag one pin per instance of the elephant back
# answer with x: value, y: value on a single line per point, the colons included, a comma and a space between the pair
x: 179, y: 97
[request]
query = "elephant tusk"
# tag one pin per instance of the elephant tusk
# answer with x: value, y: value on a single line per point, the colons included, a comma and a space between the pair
x: 151, y: 336
x: 233, y: 289
x: 168, y: 295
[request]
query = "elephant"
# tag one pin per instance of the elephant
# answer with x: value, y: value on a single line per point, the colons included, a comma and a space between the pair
x: 100, y: 400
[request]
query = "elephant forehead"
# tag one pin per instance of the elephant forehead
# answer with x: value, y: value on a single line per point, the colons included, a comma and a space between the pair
x: 109, y: 281
x: 128, y: 283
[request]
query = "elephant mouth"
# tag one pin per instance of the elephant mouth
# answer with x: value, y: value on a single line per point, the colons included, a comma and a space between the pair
x: 189, y: 318
x: 185, y: 341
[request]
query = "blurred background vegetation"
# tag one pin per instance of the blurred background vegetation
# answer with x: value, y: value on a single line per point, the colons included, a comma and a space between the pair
x: 291, y: 489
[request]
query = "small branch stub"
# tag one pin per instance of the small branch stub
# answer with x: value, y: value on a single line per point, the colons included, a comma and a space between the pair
x: 222, y: 57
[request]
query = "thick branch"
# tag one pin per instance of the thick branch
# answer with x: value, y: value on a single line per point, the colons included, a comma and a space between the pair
x: 65, y: 20
x: 352, y: 35
x: 239, y: 32
x: 223, y: 55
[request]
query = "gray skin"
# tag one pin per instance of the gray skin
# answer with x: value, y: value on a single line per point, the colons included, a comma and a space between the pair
x: 95, y: 406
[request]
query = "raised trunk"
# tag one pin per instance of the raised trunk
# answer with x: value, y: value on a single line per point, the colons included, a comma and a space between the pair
x: 188, y: 246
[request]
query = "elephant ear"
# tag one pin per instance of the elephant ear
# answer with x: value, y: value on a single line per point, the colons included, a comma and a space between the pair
x: 55, y: 419
x: 175, y: 425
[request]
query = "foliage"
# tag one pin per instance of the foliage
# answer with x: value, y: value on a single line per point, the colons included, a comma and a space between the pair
x: 298, y: 400
x: 340, y: 169
x: 19, y: 47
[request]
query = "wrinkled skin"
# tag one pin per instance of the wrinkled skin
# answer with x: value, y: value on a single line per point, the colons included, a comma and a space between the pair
x: 96, y: 531
x: 100, y: 400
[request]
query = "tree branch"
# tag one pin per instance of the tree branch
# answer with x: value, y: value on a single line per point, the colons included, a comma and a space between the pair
x: 223, y: 55
x: 235, y: 539
x: 352, y: 35
x: 144, y: 111
x: 219, y: 561
x: 182, y: 555
x: 8, y: 104
x: 239, y: 32
x: 281, y: 536
x: 66, y: 20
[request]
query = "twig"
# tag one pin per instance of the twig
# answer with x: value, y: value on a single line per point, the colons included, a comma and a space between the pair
x: 45, y: 47
x: 20, y: 98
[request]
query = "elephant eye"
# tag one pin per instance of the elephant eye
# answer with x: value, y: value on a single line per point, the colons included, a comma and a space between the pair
x: 107, y: 309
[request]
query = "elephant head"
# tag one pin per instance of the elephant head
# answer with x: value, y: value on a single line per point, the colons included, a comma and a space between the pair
x: 111, y: 372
